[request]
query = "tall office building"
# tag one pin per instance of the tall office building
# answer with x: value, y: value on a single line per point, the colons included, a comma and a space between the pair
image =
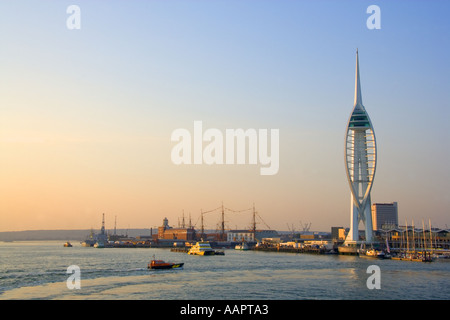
x: 360, y: 164
x: 385, y: 215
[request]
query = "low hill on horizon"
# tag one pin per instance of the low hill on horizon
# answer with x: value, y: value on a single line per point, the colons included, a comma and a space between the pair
x: 65, y: 235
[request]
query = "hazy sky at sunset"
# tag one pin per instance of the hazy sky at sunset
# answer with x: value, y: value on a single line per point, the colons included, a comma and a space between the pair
x: 86, y: 115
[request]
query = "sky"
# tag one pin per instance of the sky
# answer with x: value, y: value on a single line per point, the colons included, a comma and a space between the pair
x: 86, y: 115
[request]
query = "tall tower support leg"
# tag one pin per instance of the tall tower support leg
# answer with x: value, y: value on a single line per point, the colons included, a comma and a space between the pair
x: 353, y: 234
x: 368, y: 222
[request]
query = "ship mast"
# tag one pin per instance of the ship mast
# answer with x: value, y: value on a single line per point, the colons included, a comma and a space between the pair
x: 103, y: 225
x: 183, y: 225
x: 407, y: 238
x: 431, y: 237
x: 203, y: 230
x: 223, y: 224
x: 254, y: 223
x: 424, y: 239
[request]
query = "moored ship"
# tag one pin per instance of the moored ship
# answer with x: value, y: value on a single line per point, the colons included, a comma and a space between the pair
x: 88, y: 243
x: 99, y: 244
x: 243, y: 246
x: 413, y: 256
x: 372, y: 253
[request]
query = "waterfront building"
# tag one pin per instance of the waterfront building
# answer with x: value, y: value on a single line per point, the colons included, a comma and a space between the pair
x: 250, y: 235
x: 166, y: 232
x: 337, y: 233
x: 308, y: 235
x: 260, y: 234
x: 240, y: 236
x: 385, y: 215
x: 360, y: 165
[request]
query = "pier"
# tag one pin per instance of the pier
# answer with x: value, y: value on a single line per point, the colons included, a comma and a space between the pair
x: 294, y: 250
x: 272, y: 249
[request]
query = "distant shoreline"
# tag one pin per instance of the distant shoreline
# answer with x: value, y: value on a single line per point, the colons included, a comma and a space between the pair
x: 79, y: 234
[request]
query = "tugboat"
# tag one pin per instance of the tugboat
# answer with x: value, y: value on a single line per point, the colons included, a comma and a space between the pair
x: 67, y: 244
x: 161, y: 264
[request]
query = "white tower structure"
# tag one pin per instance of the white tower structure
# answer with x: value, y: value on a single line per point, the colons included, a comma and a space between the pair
x: 360, y: 164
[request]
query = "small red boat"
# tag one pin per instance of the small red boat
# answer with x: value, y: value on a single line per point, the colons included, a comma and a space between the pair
x: 160, y: 264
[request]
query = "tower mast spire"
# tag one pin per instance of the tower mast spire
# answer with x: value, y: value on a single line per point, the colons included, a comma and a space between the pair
x: 358, y: 96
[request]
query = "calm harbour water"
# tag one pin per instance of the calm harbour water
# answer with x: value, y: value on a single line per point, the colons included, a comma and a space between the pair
x: 38, y: 270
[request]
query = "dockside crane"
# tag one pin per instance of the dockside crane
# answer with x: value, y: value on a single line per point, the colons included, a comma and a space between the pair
x: 305, y: 227
x: 291, y: 229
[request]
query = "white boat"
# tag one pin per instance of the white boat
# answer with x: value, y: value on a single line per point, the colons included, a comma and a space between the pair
x: 202, y: 248
x: 372, y: 253
x: 375, y: 253
x: 99, y: 245
x: 243, y: 246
